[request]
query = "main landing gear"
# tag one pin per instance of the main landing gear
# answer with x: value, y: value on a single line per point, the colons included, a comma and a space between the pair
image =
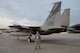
x: 29, y: 38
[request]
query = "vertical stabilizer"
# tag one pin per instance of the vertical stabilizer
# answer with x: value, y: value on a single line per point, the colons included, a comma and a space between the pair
x: 54, y: 14
x: 66, y: 18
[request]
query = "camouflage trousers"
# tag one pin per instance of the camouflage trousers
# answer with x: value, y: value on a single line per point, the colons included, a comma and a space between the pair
x: 37, y: 44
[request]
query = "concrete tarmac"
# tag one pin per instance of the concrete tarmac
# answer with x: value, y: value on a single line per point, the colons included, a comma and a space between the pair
x: 54, y: 43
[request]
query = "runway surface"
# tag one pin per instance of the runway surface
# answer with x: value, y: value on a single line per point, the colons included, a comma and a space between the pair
x: 54, y: 43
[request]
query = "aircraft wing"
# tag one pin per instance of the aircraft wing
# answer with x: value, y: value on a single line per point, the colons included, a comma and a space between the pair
x: 19, y: 27
x: 26, y: 28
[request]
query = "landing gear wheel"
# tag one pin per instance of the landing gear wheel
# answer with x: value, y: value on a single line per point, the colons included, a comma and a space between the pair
x: 29, y: 39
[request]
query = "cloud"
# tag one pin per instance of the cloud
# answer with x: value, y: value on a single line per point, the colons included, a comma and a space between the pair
x: 33, y: 12
x: 5, y: 22
x: 29, y: 23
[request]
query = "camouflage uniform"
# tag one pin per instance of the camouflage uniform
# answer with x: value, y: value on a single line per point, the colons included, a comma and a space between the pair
x: 37, y: 41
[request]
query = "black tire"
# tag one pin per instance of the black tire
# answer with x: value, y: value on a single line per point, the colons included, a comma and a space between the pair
x: 29, y: 39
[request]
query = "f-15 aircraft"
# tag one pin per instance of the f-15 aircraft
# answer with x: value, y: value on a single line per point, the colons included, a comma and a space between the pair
x: 74, y: 28
x: 55, y: 23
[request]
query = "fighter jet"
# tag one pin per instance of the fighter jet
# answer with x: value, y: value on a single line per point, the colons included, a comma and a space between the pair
x: 74, y: 28
x: 55, y: 23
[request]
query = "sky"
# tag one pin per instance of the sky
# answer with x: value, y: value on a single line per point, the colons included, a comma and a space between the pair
x: 34, y: 12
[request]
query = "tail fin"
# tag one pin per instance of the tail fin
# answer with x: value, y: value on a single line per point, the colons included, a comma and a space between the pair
x: 66, y: 18
x: 55, y: 13
x: 62, y: 20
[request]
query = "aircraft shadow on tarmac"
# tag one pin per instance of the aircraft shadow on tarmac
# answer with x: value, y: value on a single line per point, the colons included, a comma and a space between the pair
x: 72, y: 42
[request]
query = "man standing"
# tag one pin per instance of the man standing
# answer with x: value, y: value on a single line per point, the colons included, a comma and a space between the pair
x: 37, y: 40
